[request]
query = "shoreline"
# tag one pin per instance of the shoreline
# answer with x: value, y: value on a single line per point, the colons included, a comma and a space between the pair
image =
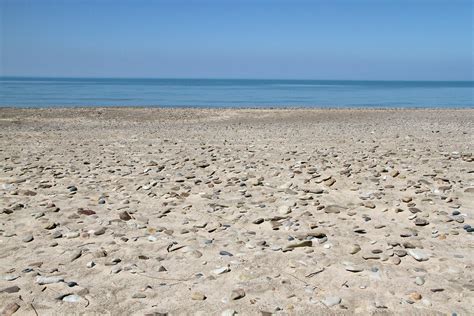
x: 379, y: 108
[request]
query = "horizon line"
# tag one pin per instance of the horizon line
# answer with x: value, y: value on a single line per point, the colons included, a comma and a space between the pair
x: 227, y: 78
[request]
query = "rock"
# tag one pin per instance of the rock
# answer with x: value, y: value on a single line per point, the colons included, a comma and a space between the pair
x: 71, y: 235
x: 355, y: 248
x: 395, y: 260
x: 331, y: 301
x: 41, y: 280
x: 221, y: 270
x: 10, y: 309
x: 354, y: 269
x: 418, y: 255
x: 237, y: 294
x: 139, y: 295
x: 125, y: 216
x: 334, y: 209
x: 284, y: 209
x: 9, y: 277
x: 50, y: 226
x: 56, y: 234
x: 370, y: 256
x: 421, y: 222
x: 72, y: 298
x: 304, y: 243
x: 229, y: 312
x: 27, y: 238
x: 415, y: 296
x: 258, y: 221
x: 329, y: 182
x: 400, y: 252
x: 75, y: 255
x: 225, y: 253
x: 11, y: 289
x: 72, y: 188
x: 198, y: 296
x: 369, y: 204
x: 414, y: 210
x: 116, y: 270
x: 419, y: 280
x: 99, y: 231
x: 85, y: 212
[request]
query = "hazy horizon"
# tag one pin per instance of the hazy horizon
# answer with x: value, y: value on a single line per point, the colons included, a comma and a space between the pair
x: 224, y: 78
x: 264, y: 40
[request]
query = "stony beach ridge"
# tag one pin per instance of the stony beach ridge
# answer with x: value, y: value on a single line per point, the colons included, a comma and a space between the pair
x: 154, y: 211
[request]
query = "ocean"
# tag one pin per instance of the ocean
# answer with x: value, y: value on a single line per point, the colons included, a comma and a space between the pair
x: 71, y: 92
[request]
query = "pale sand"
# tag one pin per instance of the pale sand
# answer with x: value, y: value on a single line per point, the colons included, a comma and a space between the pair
x: 188, y: 177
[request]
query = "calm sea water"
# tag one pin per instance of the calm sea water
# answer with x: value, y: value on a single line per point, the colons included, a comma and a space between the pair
x: 46, y: 92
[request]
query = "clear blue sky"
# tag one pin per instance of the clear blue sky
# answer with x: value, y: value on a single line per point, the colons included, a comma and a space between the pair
x: 352, y: 39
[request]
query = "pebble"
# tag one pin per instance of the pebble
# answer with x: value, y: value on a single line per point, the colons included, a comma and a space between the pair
x: 418, y: 255
x: 71, y: 298
x: 225, y: 253
x: 56, y: 234
x: 334, y: 209
x: 237, y: 294
x: 258, y: 221
x: 50, y: 226
x: 9, y: 277
x: 354, y: 249
x: 125, y: 216
x: 75, y: 255
x: 198, y: 296
x: 41, y: 280
x: 330, y: 301
x: 369, y: 204
x: 90, y: 264
x: 354, y: 269
x: 11, y: 289
x: 421, y: 222
x: 396, y: 260
x: 419, y: 280
x: 139, y: 295
x: 370, y: 256
x: 10, y: 309
x: 415, y: 296
x: 304, y: 243
x: 27, y: 238
x: 116, y: 270
x: 73, y: 234
x: 221, y: 270
x: 99, y: 231
x: 229, y: 312
x: 86, y: 212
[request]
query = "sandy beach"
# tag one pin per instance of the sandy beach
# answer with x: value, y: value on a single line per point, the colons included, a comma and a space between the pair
x: 150, y: 211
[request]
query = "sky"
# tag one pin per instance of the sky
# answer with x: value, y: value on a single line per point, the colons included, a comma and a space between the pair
x: 268, y: 39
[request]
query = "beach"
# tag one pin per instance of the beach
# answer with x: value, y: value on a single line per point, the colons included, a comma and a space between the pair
x: 155, y: 211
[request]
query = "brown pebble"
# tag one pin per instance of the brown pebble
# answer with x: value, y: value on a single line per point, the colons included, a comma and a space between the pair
x: 198, y: 296
x: 10, y: 309
x: 415, y: 296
